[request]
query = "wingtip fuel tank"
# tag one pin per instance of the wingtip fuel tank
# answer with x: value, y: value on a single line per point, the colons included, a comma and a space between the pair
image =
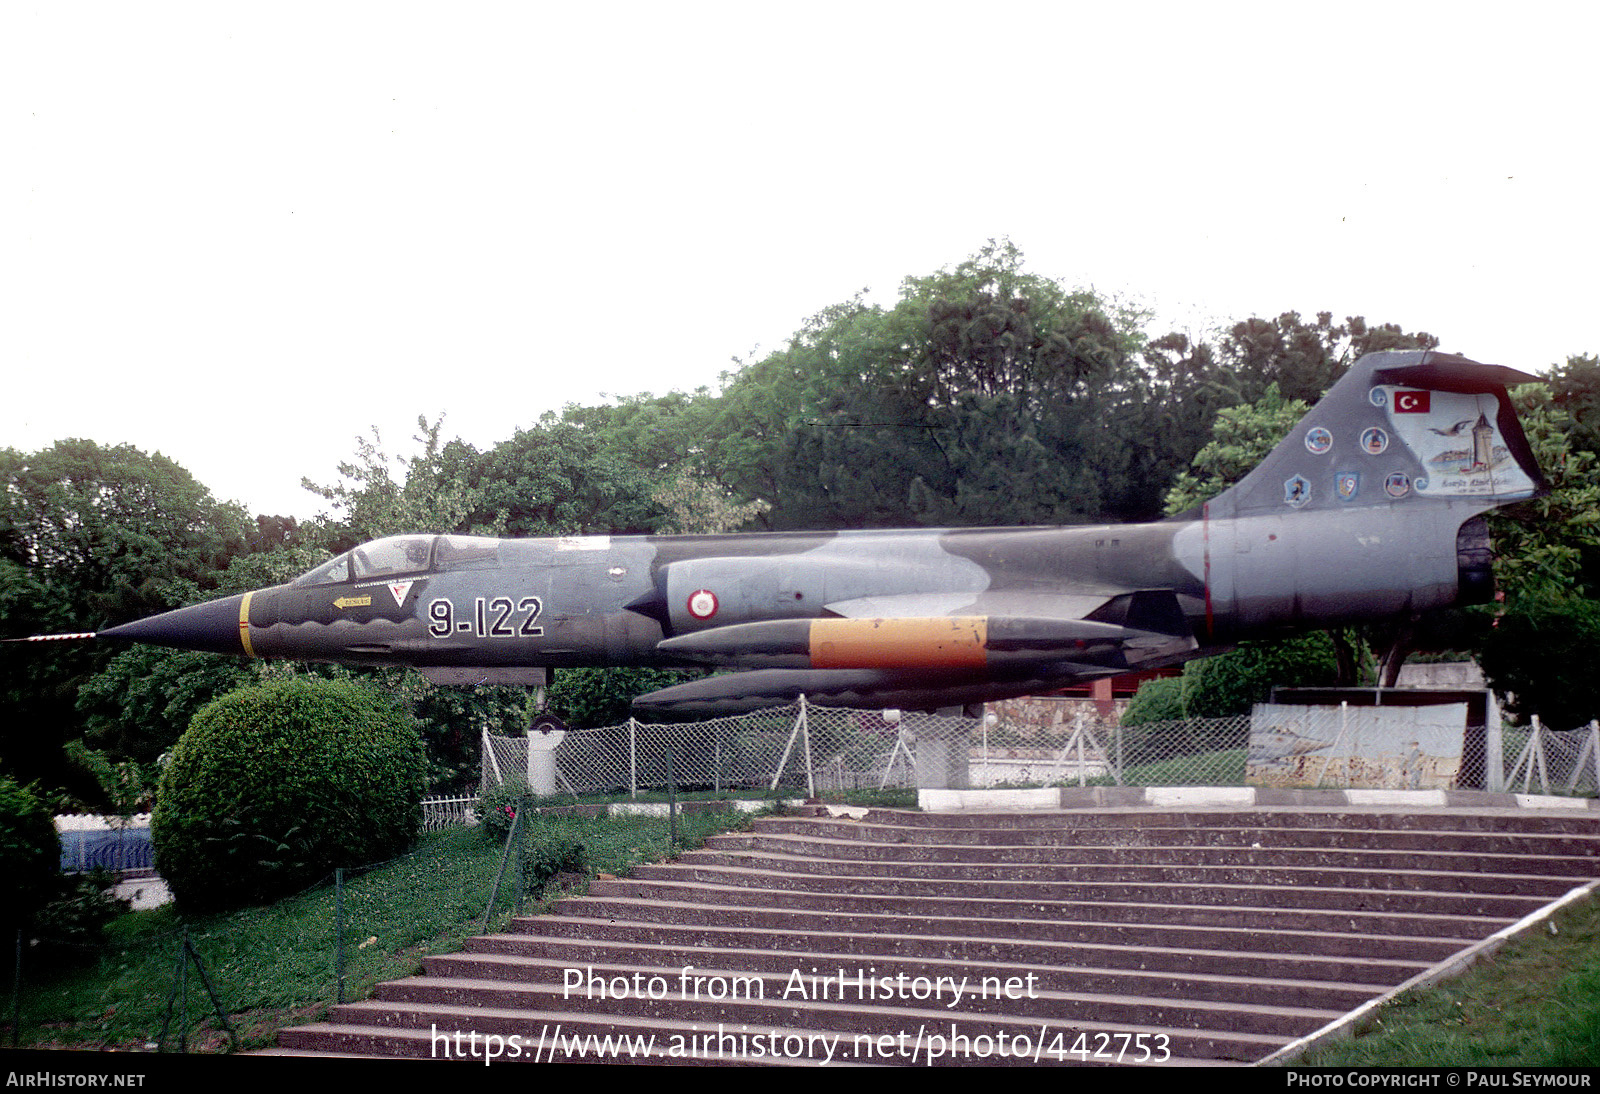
x: 1369, y: 508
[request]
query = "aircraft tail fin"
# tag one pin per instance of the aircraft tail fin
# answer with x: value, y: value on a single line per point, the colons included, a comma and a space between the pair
x: 1399, y: 428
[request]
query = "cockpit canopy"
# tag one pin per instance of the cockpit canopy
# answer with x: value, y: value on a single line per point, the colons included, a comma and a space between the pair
x: 397, y: 555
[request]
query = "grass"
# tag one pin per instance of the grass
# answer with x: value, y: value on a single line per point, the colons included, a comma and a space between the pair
x: 1222, y: 768
x: 275, y: 965
x: 1536, y: 1003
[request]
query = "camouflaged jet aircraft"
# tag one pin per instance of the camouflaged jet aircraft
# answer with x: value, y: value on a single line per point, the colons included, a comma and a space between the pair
x: 1369, y: 509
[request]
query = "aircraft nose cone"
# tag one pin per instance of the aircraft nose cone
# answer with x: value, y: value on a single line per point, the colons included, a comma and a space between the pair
x: 212, y: 627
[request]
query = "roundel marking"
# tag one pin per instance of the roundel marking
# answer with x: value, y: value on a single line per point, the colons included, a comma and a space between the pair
x: 702, y: 604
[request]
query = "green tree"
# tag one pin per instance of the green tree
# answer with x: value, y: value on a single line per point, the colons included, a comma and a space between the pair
x: 31, y: 851
x: 1575, y: 389
x: 91, y: 536
x: 1538, y: 655
x: 1537, y: 650
x: 1551, y: 542
x: 588, y: 698
x: 696, y: 504
x: 561, y: 478
x: 383, y: 495
x: 980, y: 378
x: 139, y: 704
x: 114, y: 533
x: 1303, y: 359
x: 1242, y: 436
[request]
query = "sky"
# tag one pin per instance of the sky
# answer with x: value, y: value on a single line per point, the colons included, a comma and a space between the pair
x: 243, y: 235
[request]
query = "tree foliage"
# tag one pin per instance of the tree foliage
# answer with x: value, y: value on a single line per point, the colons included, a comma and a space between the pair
x: 1158, y: 700
x: 593, y: 697
x: 112, y: 533
x: 31, y: 851
x: 1538, y: 655
x: 696, y: 504
x: 1231, y: 683
x: 1547, y: 561
x: 1302, y: 359
x: 1575, y: 390
x: 560, y: 478
x: 91, y: 536
x: 140, y: 703
x: 1242, y: 436
x: 981, y: 377
x: 384, y: 495
x: 1552, y: 542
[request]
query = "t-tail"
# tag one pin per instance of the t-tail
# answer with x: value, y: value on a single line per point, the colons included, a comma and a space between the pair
x: 1372, y: 505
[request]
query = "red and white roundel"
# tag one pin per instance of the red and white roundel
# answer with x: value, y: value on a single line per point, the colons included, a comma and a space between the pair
x: 702, y: 603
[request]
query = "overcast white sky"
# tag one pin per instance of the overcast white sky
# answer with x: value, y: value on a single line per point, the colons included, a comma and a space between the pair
x: 242, y: 234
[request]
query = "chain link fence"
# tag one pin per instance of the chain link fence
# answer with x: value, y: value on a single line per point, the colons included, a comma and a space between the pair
x: 819, y: 749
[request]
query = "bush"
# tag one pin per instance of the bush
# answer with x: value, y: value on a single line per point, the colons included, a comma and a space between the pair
x: 1228, y: 684
x: 497, y: 811
x: 1158, y: 700
x: 31, y: 851
x: 549, y: 851
x: 588, y: 698
x: 274, y: 785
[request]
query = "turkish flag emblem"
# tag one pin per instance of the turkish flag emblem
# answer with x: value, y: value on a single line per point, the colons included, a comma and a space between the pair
x: 1411, y: 402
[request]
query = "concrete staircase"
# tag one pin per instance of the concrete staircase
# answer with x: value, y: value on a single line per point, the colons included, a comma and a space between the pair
x: 1115, y: 936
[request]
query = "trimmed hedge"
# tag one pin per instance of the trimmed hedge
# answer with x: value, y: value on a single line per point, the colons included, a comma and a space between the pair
x: 273, y: 786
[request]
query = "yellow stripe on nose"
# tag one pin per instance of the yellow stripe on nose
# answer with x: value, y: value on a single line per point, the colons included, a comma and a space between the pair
x: 244, y: 625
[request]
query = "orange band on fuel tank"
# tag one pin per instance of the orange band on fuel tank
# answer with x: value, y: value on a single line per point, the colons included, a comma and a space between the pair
x: 244, y: 625
x: 943, y: 642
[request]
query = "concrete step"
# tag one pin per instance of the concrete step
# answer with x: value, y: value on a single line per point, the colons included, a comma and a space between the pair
x: 1539, y: 842
x: 1028, y: 907
x: 1320, y: 940
x: 1078, y: 937
x: 1263, y: 819
x: 1390, y: 877
x: 918, y: 1037
x: 1487, y: 858
x: 863, y: 947
x: 491, y: 980
x: 1488, y: 905
x: 534, y: 957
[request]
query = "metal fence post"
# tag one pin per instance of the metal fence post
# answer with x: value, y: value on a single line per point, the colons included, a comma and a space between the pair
x: 338, y: 928
x: 805, y: 738
x: 1494, y: 746
x: 672, y: 802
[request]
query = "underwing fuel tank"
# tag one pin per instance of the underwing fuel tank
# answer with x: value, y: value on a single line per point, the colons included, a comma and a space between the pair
x: 1370, y: 508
